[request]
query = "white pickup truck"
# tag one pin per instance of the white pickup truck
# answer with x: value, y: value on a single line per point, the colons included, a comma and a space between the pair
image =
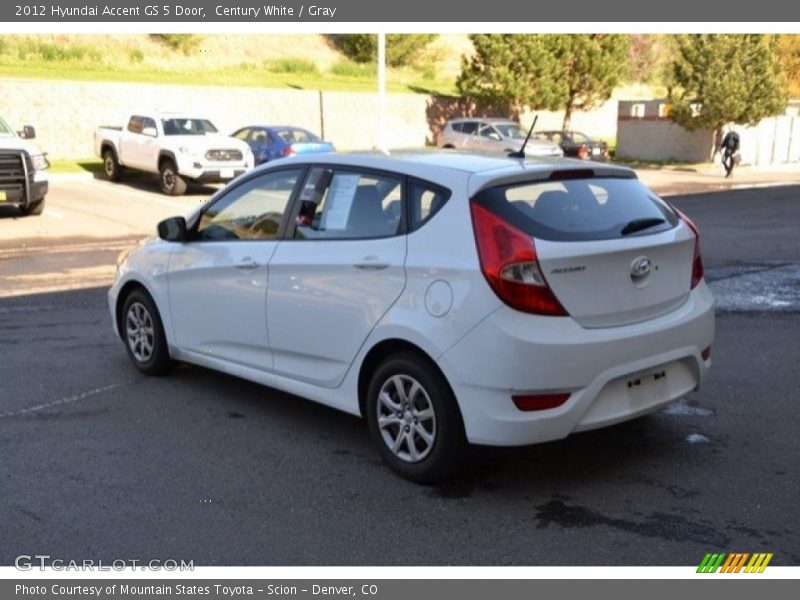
x: 23, y: 170
x: 180, y: 147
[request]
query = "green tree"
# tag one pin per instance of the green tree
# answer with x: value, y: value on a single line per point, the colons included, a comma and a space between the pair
x: 725, y: 78
x: 550, y: 72
x: 789, y: 54
x: 401, y: 49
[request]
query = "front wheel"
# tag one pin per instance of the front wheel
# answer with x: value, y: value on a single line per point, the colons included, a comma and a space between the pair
x: 143, y: 334
x: 111, y: 167
x: 414, y: 419
x: 171, y: 182
x: 33, y: 209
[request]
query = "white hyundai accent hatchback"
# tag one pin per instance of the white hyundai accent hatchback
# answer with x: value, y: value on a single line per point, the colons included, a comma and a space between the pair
x: 448, y: 298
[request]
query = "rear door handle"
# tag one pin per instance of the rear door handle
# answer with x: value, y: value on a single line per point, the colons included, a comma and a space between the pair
x: 247, y: 264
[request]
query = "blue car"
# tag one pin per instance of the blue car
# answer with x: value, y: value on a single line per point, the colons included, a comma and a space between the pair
x: 269, y: 142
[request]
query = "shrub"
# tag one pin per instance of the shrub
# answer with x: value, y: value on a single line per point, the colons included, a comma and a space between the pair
x: 291, y: 65
x: 351, y: 69
x: 401, y: 48
x: 136, y: 56
x: 185, y: 42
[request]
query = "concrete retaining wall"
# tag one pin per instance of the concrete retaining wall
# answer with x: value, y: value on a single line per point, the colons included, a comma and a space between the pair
x: 66, y: 113
x: 645, y: 132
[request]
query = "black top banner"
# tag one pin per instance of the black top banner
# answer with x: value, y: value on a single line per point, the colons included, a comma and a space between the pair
x: 471, y: 11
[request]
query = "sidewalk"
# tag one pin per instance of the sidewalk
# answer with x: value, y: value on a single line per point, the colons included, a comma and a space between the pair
x: 698, y: 179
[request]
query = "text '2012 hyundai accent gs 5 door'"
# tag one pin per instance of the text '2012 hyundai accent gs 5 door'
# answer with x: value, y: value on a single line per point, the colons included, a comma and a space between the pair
x: 449, y: 299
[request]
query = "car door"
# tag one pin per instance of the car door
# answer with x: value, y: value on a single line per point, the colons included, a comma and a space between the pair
x: 469, y: 136
x: 130, y: 143
x: 338, y: 274
x: 489, y: 139
x: 218, y: 280
x: 148, y: 146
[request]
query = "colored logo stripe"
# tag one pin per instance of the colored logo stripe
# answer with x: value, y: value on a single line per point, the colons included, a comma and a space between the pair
x: 734, y: 562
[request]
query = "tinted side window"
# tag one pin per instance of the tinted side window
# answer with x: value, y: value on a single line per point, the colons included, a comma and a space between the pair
x: 343, y: 204
x: 252, y: 210
x: 148, y: 122
x: 135, y: 124
x: 457, y: 127
x: 425, y: 200
x: 242, y: 134
x: 469, y: 128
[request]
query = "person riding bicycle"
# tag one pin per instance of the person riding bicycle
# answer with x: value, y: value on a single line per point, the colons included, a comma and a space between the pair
x: 730, y: 149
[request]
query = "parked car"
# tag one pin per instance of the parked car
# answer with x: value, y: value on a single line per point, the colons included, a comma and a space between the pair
x: 270, y: 142
x: 180, y: 147
x: 492, y: 135
x: 577, y: 145
x: 23, y: 170
x: 448, y: 298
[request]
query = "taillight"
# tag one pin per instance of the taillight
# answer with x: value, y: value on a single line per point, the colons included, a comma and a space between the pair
x: 697, y: 260
x: 288, y: 151
x: 583, y: 152
x: 509, y: 263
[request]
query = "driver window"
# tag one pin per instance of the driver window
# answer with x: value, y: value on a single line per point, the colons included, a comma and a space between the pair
x: 251, y: 211
x: 488, y: 131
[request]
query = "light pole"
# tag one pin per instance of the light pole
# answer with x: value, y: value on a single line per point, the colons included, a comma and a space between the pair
x: 382, y: 92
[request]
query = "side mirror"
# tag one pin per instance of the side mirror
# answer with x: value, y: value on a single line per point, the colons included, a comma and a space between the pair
x: 150, y: 132
x: 28, y: 132
x: 173, y: 229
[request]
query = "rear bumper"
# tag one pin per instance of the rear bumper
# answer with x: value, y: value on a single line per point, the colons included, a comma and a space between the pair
x: 612, y: 374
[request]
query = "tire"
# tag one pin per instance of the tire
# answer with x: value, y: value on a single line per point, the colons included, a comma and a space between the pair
x: 441, y: 450
x: 33, y: 209
x: 171, y: 182
x: 143, y: 334
x: 111, y: 167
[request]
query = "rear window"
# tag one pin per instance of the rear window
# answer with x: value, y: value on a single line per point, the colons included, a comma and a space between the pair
x: 580, y: 209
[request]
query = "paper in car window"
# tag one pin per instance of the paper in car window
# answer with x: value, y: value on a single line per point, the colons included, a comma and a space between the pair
x: 339, y: 201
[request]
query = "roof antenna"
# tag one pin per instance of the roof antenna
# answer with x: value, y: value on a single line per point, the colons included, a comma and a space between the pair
x: 521, y: 152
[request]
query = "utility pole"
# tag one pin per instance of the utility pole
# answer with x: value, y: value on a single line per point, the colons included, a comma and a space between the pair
x: 382, y: 92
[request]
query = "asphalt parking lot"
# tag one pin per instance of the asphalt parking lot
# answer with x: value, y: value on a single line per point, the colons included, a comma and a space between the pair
x: 101, y: 462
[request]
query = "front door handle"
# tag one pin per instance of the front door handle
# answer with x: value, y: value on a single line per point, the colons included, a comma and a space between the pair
x: 247, y: 264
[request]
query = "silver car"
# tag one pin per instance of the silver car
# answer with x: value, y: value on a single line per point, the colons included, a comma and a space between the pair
x: 492, y: 135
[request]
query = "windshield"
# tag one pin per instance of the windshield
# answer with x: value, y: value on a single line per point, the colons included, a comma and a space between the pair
x: 5, y: 129
x: 510, y: 130
x: 185, y: 126
x: 579, y: 138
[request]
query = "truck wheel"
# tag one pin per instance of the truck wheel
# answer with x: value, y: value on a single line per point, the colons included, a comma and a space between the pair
x: 172, y: 184
x: 414, y: 420
x: 111, y: 166
x: 33, y: 209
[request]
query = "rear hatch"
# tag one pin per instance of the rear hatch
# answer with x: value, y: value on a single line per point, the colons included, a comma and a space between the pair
x: 610, y: 251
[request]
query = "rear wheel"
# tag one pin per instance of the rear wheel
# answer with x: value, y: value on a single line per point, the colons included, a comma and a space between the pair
x: 111, y: 167
x: 33, y: 209
x: 414, y: 419
x: 171, y: 182
x: 143, y: 334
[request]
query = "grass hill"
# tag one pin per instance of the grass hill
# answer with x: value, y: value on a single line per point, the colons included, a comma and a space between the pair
x: 296, y: 61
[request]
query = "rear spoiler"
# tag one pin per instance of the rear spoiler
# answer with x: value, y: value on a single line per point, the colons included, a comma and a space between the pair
x: 555, y: 174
